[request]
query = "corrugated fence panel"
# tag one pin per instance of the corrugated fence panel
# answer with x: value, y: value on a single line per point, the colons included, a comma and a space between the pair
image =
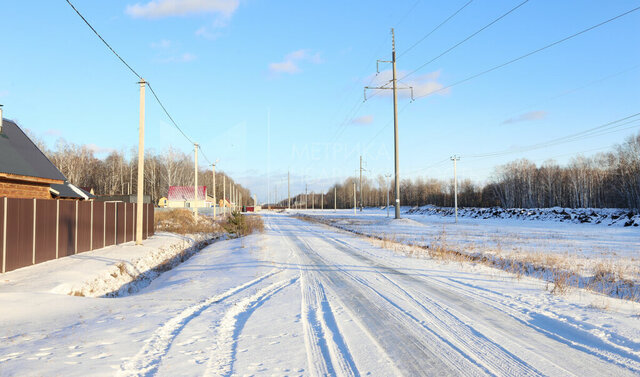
x: 1, y: 232
x: 135, y: 220
x: 45, y: 230
x: 152, y: 220
x: 19, y: 233
x: 67, y: 228
x: 98, y: 225
x: 120, y: 222
x: 131, y: 220
x: 145, y: 212
x: 84, y: 226
x: 110, y: 224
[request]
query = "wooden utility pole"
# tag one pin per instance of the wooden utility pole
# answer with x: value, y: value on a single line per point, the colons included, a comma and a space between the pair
x: 455, y: 159
x: 395, y: 118
x: 140, y: 199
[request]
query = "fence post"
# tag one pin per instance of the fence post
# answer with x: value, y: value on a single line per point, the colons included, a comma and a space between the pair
x: 75, y: 247
x: 91, y: 229
x: 146, y: 230
x: 57, y: 224
x: 4, y: 237
x: 33, y: 254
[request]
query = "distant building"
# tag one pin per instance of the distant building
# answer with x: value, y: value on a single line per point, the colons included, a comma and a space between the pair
x: 162, y: 202
x: 183, y: 197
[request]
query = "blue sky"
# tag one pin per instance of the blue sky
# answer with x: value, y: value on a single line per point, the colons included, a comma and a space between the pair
x: 223, y: 68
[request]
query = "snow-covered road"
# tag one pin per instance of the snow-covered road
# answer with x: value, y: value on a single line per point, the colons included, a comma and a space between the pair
x: 306, y: 299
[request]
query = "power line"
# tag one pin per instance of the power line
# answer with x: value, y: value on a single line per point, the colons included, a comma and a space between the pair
x: 528, y: 54
x: 465, y: 39
x: 434, y: 29
x: 103, y: 41
x: 167, y: 113
x: 134, y: 72
x: 595, y: 131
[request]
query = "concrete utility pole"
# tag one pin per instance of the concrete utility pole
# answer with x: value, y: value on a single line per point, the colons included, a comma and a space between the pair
x: 455, y: 158
x: 335, y: 199
x: 361, y: 197
x: 213, y: 168
x: 195, y: 183
x: 355, y: 205
x: 395, y: 119
x: 140, y: 199
x: 387, y: 176
x: 288, y: 190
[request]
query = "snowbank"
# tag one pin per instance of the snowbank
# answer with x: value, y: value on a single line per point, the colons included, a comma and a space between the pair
x: 111, y: 271
x: 607, y: 216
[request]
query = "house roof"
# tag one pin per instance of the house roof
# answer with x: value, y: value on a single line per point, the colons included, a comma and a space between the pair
x: 69, y: 191
x: 182, y: 193
x: 20, y: 156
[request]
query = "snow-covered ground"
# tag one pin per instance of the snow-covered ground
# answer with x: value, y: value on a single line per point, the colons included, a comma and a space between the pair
x: 611, y: 254
x: 307, y: 299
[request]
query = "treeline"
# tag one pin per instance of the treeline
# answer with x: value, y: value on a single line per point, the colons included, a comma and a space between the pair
x: 607, y: 180
x: 117, y: 174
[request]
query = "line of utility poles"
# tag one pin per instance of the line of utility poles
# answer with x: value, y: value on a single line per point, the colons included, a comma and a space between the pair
x: 455, y: 159
x: 395, y: 117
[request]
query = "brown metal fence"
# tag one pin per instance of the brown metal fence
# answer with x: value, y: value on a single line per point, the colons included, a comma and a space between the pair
x: 37, y: 230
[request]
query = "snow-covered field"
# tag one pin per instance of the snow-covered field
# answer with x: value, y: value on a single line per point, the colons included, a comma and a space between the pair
x: 307, y: 299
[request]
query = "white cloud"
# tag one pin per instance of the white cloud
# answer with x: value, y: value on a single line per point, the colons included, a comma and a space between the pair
x: 532, y: 115
x: 365, y: 119
x: 206, y: 33
x: 182, y: 58
x: 286, y: 66
x: 163, y: 44
x: 291, y: 62
x: 170, y: 8
x: 422, y: 85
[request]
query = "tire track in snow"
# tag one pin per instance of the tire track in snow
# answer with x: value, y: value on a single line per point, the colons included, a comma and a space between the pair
x: 327, y: 352
x: 147, y: 360
x: 412, y: 350
x: 474, y: 346
x: 223, y: 354
x: 551, y: 360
